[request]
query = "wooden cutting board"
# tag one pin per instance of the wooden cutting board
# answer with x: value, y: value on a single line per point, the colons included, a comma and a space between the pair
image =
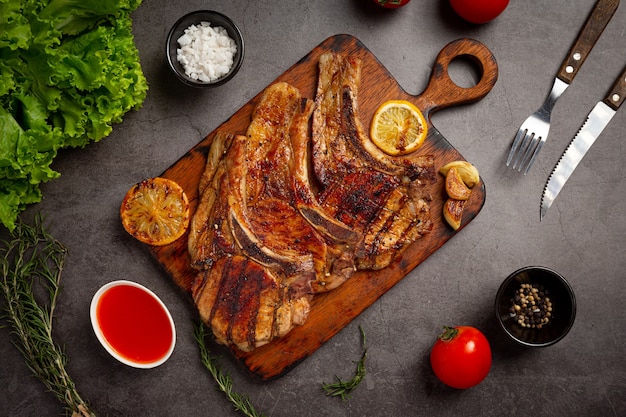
x: 332, y: 311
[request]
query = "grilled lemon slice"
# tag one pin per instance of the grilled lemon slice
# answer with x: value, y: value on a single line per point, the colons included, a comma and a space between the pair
x: 398, y: 127
x: 155, y: 211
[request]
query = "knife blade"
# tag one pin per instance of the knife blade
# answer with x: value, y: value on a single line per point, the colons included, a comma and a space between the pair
x: 593, y: 126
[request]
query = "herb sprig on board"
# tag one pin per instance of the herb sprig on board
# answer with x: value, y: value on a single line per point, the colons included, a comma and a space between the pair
x: 32, y: 261
x: 223, y: 380
x: 343, y: 388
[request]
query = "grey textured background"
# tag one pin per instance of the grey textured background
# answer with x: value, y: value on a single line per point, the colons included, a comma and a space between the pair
x: 582, y: 236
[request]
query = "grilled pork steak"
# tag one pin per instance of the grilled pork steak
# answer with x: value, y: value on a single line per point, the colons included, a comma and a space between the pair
x: 266, y: 208
x: 246, y: 303
x: 384, y: 198
x: 293, y: 208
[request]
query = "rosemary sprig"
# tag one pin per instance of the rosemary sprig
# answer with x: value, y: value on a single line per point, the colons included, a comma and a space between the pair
x: 33, y: 260
x: 224, y: 380
x: 344, y: 388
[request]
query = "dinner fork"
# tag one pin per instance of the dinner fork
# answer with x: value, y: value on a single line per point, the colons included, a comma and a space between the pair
x: 533, y: 132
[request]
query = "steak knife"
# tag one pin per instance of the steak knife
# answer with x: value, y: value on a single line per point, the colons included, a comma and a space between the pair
x: 596, y: 121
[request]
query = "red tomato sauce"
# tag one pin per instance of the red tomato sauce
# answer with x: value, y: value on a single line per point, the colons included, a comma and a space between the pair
x: 134, y: 324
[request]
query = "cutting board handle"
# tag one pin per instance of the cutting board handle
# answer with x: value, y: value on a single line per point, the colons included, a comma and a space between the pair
x: 441, y: 92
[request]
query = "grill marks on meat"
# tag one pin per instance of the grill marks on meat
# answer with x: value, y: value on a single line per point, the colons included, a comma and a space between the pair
x: 210, y: 236
x: 306, y: 201
x: 234, y: 298
x: 340, y: 238
x: 296, y: 205
x: 261, y: 261
x: 384, y: 198
x: 246, y: 303
x: 258, y: 205
x: 266, y: 205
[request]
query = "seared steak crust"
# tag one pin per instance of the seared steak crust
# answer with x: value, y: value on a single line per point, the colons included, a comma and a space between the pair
x: 296, y: 206
x: 246, y: 302
x: 384, y: 198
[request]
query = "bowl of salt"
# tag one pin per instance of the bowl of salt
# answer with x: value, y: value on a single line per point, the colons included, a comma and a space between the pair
x: 204, y: 49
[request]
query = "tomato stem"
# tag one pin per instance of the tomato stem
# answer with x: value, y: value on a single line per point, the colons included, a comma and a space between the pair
x: 448, y: 334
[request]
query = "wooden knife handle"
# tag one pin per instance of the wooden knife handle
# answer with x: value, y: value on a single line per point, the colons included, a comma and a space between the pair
x: 587, y: 37
x: 617, y: 93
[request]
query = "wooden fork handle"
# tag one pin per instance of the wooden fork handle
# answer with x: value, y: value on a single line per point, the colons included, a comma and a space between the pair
x: 587, y: 37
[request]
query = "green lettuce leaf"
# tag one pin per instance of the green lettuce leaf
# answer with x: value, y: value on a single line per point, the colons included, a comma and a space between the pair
x: 74, y: 16
x: 69, y: 70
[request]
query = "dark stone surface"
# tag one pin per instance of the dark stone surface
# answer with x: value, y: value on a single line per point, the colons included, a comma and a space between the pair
x: 582, y: 236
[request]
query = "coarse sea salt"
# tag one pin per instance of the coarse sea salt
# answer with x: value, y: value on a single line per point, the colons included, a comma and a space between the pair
x: 206, y: 53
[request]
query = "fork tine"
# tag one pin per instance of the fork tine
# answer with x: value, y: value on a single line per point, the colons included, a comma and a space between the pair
x: 532, y: 159
x: 529, y: 151
x: 523, y: 149
x: 518, y: 137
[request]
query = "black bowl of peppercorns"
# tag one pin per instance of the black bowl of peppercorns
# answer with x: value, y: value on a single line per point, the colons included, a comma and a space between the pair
x: 535, y: 306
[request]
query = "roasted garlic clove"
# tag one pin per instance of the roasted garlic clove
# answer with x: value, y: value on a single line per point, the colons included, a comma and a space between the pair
x: 455, y: 186
x: 468, y: 172
x: 453, y: 212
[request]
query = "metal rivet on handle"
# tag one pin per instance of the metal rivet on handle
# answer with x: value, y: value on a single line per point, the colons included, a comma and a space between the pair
x: 615, y: 97
x: 569, y: 69
x: 577, y: 56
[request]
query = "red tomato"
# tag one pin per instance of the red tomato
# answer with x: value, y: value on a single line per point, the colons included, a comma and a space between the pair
x: 479, y: 11
x: 461, y: 357
x: 391, y: 4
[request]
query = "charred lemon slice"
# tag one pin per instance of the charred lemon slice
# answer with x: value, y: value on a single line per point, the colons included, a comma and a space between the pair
x: 155, y: 211
x: 398, y: 127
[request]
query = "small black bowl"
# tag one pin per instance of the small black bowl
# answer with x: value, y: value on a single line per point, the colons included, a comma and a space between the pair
x: 563, y: 303
x: 194, y: 18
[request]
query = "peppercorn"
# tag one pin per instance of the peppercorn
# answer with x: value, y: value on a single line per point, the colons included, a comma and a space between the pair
x: 531, y: 306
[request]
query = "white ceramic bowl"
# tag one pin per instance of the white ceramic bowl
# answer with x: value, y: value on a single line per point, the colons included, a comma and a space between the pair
x: 137, y: 337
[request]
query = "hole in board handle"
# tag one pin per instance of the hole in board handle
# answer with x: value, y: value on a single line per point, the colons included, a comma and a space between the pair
x: 465, y: 71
